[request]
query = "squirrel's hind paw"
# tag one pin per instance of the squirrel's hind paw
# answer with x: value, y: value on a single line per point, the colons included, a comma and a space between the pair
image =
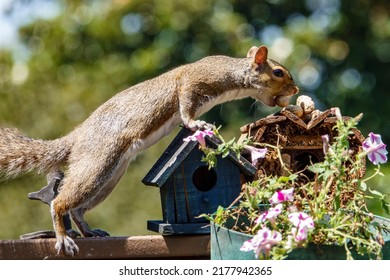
x: 73, y: 233
x: 67, y: 245
x: 97, y: 232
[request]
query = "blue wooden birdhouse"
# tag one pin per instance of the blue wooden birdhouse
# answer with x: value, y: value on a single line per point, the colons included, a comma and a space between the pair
x: 188, y: 188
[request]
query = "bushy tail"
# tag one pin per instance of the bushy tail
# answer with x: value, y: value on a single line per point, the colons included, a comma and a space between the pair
x: 20, y: 154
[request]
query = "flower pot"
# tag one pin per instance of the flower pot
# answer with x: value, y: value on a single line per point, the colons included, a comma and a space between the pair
x: 226, y: 244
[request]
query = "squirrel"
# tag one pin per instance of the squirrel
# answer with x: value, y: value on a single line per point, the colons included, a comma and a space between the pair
x: 96, y: 154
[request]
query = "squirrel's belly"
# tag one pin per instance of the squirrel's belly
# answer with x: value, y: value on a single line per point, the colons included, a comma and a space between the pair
x: 162, y: 131
x: 151, y: 138
x: 226, y: 96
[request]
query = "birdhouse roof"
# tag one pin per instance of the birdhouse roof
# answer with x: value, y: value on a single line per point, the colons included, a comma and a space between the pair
x: 178, y: 150
x: 285, y: 115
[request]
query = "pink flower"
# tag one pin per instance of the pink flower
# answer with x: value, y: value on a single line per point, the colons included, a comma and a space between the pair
x: 299, y: 219
x: 300, y: 234
x: 303, y: 223
x: 281, y: 196
x: 199, y: 136
x: 262, y: 242
x: 375, y: 149
x: 270, y: 214
x: 256, y: 153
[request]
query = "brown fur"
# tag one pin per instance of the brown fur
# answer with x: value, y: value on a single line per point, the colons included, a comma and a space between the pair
x: 97, y: 152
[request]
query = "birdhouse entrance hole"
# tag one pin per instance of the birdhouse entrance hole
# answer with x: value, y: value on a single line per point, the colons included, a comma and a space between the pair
x: 204, y: 179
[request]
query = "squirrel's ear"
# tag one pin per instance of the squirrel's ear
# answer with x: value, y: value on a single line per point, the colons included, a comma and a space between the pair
x: 252, y: 51
x: 261, y: 55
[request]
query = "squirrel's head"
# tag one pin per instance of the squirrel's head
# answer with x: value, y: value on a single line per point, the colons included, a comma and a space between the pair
x: 273, y: 80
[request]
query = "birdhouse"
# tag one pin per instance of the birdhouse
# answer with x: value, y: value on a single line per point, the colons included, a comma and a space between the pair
x: 188, y: 188
x: 297, y: 130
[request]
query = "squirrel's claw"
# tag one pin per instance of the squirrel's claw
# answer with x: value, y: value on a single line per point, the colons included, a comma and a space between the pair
x: 67, y: 245
x: 195, y: 125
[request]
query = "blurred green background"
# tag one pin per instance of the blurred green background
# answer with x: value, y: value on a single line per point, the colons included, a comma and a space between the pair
x: 59, y: 60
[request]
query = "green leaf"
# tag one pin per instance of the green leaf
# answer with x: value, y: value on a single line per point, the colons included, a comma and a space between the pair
x: 283, y: 179
x: 225, y: 153
x: 328, y: 173
x: 231, y: 142
x: 386, y: 207
x: 219, y: 211
x: 362, y: 250
x: 316, y: 168
x: 221, y: 147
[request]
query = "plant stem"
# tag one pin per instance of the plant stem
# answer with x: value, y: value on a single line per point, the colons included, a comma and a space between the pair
x: 377, y: 171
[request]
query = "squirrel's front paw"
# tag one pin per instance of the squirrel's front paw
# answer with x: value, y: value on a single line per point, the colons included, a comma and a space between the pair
x: 67, y: 245
x: 195, y: 125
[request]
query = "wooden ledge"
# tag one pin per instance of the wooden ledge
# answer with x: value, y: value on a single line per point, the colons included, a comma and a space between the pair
x: 133, y: 247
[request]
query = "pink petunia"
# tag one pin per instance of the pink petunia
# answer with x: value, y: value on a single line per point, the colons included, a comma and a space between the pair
x: 301, y: 219
x: 302, y: 224
x: 375, y: 148
x: 300, y: 234
x: 256, y: 153
x: 199, y: 136
x: 281, y: 196
x: 270, y: 214
x: 262, y: 242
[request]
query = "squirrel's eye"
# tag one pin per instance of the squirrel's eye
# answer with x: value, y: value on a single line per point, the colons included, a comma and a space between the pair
x: 278, y: 72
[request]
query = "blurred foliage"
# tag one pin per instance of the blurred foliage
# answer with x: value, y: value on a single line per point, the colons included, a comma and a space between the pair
x: 69, y: 65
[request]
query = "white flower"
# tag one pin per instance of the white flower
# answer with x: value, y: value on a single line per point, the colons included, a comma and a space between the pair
x: 302, y: 224
x: 301, y: 219
x: 270, y: 214
x: 262, y: 242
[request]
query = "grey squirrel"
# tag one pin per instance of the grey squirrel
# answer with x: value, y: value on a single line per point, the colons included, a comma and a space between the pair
x: 96, y: 153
